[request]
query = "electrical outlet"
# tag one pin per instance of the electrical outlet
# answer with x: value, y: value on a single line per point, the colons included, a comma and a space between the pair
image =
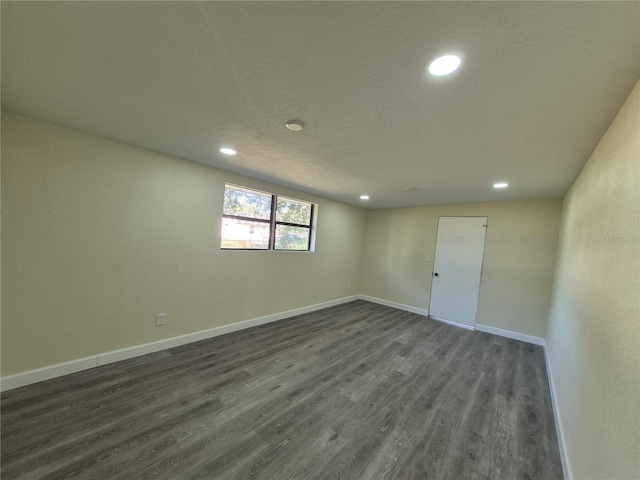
x: 349, y: 286
x: 161, y: 319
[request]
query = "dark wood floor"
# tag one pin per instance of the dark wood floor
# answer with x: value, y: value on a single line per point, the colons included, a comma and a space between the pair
x: 357, y: 391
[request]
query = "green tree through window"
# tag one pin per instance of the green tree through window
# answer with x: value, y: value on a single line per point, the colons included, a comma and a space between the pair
x: 293, y: 224
x: 246, y: 203
x: 254, y: 220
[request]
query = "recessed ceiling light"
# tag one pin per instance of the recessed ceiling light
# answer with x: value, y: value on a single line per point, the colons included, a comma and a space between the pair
x: 500, y: 185
x: 444, y: 65
x: 294, y: 125
x: 228, y: 151
x: 364, y: 197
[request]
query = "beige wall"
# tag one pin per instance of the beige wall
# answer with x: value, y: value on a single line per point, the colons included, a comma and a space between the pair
x: 98, y: 237
x: 593, y: 340
x: 519, y: 259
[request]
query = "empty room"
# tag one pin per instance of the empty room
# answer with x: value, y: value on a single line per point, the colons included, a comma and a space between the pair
x: 320, y: 240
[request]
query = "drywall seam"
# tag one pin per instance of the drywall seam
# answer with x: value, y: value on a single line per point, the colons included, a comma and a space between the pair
x: 58, y: 370
x: 564, y: 453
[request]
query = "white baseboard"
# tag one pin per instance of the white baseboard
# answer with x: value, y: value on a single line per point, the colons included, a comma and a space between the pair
x: 481, y: 328
x: 46, y: 373
x: 455, y: 324
x: 58, y: 370
x: 564, y: 453
x: 523, y: 337
x: 399, y: 306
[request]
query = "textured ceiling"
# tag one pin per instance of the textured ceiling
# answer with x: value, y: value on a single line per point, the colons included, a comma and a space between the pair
x: 540, y: 83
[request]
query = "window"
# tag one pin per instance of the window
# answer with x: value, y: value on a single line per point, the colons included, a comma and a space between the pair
x: 254, y: 220
x: 293, y: 224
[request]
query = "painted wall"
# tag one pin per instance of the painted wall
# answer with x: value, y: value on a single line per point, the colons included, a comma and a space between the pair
x: 98, y: 237
x: 593, y: 340
x: 519, y: 258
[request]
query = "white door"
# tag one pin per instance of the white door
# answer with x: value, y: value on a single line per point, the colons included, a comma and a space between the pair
x: 457, y: 268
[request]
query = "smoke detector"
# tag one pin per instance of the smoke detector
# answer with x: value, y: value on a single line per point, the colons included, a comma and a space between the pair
x: 294, y: 125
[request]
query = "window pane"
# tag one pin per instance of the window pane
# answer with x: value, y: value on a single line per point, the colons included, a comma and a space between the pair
x: 293, y: 211
x: 246, y: 203
x: 292, y: 238
x: 244, y: 234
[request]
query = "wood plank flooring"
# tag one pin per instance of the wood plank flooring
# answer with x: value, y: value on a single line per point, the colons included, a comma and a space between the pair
x: 356, y: 391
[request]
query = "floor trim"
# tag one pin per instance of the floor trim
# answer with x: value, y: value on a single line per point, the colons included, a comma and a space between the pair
x: 399, y: 306
x: 66, y: 368
x: 455, y: 324
x: 564, y: 453
x: 58, y: 370
x: 523, y: 337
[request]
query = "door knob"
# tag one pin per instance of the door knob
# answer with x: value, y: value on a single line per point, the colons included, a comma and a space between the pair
x: 435, y: 274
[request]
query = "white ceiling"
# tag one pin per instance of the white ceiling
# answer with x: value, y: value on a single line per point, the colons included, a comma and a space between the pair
x: 540, y: 83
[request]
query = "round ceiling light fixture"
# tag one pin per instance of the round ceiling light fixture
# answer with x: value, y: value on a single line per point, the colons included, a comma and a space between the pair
x: 294, y: 125
x: 228, y: 151
x: 500, y: 185
x: 444, y: 64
